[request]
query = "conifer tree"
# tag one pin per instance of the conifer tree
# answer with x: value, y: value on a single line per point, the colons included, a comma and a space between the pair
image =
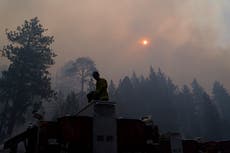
x: 30, y: 54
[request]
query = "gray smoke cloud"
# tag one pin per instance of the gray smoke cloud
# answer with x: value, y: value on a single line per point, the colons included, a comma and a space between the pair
x: 187, y: 37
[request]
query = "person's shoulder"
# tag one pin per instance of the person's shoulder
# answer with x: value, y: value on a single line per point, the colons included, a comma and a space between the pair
x: 103, y: 80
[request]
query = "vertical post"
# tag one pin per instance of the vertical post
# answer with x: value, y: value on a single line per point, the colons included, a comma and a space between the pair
x: 176, y: 143
x: 104, y: 128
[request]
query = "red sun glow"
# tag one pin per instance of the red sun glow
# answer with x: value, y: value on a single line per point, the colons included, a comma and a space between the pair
x: 144, y: 42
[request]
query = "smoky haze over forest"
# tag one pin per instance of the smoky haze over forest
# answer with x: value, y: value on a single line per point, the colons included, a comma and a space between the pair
x: 127, y: 41
x: 187, y: 38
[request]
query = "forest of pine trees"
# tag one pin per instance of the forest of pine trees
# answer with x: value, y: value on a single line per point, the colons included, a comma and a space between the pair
x: 189, y: 110
x: 25, y: 85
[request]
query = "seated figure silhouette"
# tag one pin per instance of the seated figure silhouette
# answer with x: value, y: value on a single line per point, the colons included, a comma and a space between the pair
x: 101, y: 89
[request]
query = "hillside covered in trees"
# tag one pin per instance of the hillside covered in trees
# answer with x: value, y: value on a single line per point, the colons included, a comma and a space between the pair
x: 26, y: 86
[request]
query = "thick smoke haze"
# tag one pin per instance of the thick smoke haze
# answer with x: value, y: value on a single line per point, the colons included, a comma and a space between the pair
x: 188, y: 38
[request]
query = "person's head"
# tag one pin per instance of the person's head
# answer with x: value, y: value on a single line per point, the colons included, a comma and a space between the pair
x: 96, y: 75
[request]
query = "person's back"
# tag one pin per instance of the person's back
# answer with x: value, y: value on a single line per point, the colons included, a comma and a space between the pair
x: 101, y: 89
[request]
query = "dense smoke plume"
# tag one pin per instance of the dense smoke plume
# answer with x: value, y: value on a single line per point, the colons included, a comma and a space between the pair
x: 187, y: 36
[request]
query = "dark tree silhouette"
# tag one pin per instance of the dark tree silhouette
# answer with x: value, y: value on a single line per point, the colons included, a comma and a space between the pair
x: 135, y: 80
x: 91, y: 85
x: 206, y: 113
x: 72, y: 103
x: 65, y: 80
x: 198, y: 93
x: 3, y: 67
x: 124, y: 97
x: 190, y: 112
x: 30, y: 54
x: 112, y: 90
x: 185, y: 112
x: 222, y: 99
x: 82, y: 68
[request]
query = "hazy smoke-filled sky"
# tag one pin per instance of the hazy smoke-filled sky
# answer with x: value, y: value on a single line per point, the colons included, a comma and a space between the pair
x: 188, y: 38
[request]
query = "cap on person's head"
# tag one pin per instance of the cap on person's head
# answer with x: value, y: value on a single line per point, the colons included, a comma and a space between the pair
x: 96, y: 74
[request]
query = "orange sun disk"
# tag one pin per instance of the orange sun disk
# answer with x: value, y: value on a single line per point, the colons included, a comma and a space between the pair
x: 144, y: 42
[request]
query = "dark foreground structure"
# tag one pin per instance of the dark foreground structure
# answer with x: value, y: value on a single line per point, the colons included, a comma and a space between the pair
x: 102, y: 132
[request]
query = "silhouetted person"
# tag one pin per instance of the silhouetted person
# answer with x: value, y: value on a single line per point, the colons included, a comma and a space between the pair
x: 101, y: 89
